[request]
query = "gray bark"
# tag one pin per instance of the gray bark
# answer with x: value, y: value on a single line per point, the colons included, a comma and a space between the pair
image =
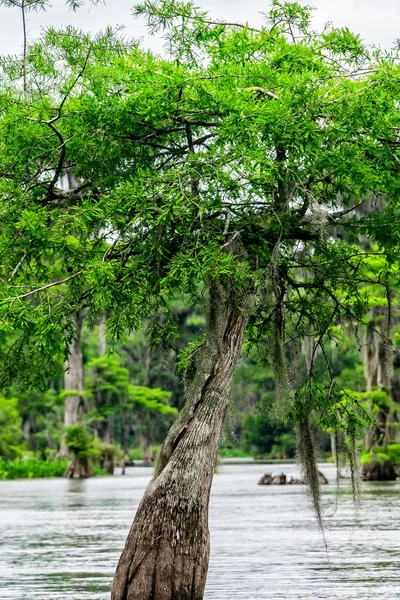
x: 370, y: 358
x: 26, y: 428
x: 147, y: 362
x: 378, y: 370
x: 73, y: 380
x: 148, y: 457
x: 78, y: 469
x: 105, y: 434
x: 334, y: 448
x: 377, y: 373
x: 167, y: 550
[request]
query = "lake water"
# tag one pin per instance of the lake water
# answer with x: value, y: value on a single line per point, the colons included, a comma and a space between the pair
x: 60, y: 540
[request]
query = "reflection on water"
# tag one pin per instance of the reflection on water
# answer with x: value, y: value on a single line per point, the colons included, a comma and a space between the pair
x: 60, y: 540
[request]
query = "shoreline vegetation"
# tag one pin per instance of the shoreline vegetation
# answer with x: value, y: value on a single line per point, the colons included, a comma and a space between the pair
x: 31, y: 468
x: 42, y: 469
x: 38, y: 469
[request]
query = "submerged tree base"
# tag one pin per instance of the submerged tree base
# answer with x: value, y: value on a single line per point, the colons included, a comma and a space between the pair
x: 78, y: 470
x: 379, y: 471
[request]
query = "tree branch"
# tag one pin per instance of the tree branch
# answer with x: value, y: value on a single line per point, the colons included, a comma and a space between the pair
x: 13, y: 274
x: 345, y: 212
x: 41, y: 289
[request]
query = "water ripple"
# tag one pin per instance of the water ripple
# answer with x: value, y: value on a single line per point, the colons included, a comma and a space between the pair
x: 60, y: 540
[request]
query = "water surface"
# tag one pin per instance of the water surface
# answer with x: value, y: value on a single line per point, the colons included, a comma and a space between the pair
x: 60, y: 540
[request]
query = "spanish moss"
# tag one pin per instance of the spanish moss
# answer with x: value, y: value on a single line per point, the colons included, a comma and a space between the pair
x: 306, y: 453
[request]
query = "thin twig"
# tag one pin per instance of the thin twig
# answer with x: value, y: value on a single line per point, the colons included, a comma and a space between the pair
x: 13, y: 274
x: 45, y: 287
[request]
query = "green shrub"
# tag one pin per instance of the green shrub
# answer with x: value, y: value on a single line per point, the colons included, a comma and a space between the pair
x: 389, y: 454
x: 108, y: 455
x: 112, y: 451
x: 393, y: 451
x: 32, y: 469
x: 99, y: 471
x: 233, y: 453
x: 264, y: 438
x: 37, y: 469
x: 135, y: 454
x: 10, y: 428
x: 284, y: 447
x: 80, y: 442
x: 366, y: 458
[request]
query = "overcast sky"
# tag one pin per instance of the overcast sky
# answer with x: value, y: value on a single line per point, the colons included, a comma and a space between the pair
x: 378, y: 21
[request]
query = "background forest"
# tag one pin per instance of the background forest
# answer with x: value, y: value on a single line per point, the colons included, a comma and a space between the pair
x: 130, y: 397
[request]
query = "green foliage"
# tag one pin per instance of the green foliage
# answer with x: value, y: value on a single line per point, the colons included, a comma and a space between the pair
x: 32, y: 469
x: 185, y: 358
x: 265, y: 437
x: 37, y: 469
x: 108, y: 455
x: 151, y: 399
x: 393, y: 452
x: 383, y: 455
x: 80, y: 442
x: 35, y: 5
x: 27, y: 5
x: 284, y: 446
x: 182, y: 237
x: 375, y: 457
x: 108, y: 384
x: 111, y: 451
x: 43, y: 410
x: 379, y: 399
x: 136, y: 454
x: 139, y: 453
x: 225, y: 452
x: 10, y: 428
x: 75, y: 4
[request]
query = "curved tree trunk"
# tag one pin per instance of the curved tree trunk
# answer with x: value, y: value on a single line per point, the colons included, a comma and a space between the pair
x: 167, y: 550
x: 73, y: 380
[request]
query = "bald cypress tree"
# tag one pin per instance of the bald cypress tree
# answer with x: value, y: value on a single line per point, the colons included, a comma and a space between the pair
x: 219, y: 173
